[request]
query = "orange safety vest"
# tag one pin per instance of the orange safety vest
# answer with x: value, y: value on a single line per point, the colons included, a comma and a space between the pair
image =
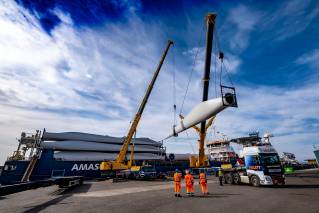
x: 202, y: 178
x: 189, y: 179
x: 177, y: 177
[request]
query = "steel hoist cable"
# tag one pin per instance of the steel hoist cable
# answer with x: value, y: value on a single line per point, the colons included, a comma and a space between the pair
x: 174, y: 92
x: 174, y: 87
x: 215, y: 51
x: 193, y: 68
x: 222, y: 58
x: 228, y: 74
x: 189, y: 141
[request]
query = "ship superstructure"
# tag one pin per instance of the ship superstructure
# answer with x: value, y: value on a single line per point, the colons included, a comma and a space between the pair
x: 220, y: 152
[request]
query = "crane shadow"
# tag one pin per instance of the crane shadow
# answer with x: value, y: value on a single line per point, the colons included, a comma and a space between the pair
x: 64, y: 193
x: 45, y: 205
x: 74, y: 190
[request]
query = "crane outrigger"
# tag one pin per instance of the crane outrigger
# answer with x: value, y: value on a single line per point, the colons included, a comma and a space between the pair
x: 119, y: 162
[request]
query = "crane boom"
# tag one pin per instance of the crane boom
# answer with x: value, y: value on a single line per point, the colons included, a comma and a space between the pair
x: 118, y: 164
x: 210, y: 19
x: 207, y: 109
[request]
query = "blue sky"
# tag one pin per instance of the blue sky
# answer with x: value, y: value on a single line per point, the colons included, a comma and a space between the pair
x: 84, y: 66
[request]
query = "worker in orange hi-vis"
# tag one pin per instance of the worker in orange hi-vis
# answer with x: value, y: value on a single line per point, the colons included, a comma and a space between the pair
x: 177, y: 183
x: 189, y: 182
x: 203, y: 182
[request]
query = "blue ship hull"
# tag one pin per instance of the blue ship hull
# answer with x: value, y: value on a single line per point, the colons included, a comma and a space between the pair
x: 47, y: 167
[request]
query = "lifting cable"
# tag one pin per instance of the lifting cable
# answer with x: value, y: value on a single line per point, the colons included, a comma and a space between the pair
x: 215, y: 50
x: 228, y: 74
x: 174, y: 87
x: 189, y: 141
x: 193, y: 67
x: 222, y: 58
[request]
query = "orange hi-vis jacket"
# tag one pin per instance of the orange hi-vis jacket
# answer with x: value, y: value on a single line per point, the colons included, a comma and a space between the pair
x: 189, y: 180
x: 202, y: 178
x: 177, y: 177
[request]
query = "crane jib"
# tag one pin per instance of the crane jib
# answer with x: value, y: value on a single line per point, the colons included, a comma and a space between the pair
x: 150, y: 87
x: 209, y: 46
x: 121, y: 156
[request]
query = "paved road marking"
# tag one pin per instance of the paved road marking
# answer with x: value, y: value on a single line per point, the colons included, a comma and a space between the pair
x: 129, y: 190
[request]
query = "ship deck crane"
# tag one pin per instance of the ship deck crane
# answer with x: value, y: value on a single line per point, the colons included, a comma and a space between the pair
x: 119, y: 162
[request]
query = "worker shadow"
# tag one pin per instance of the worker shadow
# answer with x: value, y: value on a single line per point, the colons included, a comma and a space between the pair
x: 215, y: 195
x: 63, y: 194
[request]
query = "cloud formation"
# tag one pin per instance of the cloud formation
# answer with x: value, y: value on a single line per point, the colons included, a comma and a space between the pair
x: 311, y: 58
x: 76, y: 75
x: 91, y: 79
x: 293, y: 17
x: 245, y: 20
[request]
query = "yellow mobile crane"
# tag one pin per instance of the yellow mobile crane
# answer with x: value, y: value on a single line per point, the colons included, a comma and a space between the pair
x: 201, y: 160
x: 119, y: 162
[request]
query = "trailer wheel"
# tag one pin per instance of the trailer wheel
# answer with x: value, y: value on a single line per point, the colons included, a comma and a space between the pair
x: 236, y: 178
x: 254, y: 180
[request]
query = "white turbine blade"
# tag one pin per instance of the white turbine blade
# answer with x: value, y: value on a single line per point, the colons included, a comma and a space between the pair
x: 202, y: 112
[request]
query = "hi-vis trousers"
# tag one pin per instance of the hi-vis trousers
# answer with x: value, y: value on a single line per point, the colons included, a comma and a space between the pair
x: 177, y: 187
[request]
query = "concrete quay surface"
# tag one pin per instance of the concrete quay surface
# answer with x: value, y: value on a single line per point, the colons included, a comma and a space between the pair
x: 301, y: 194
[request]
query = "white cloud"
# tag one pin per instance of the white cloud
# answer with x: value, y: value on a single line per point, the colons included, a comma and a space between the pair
x: 67, y: 81
x: 292, y: 18
x: 59, y: 81
x: 244, y: 20
x: 93, y: 60
x: 231, y: 61
x: 310, y: 58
